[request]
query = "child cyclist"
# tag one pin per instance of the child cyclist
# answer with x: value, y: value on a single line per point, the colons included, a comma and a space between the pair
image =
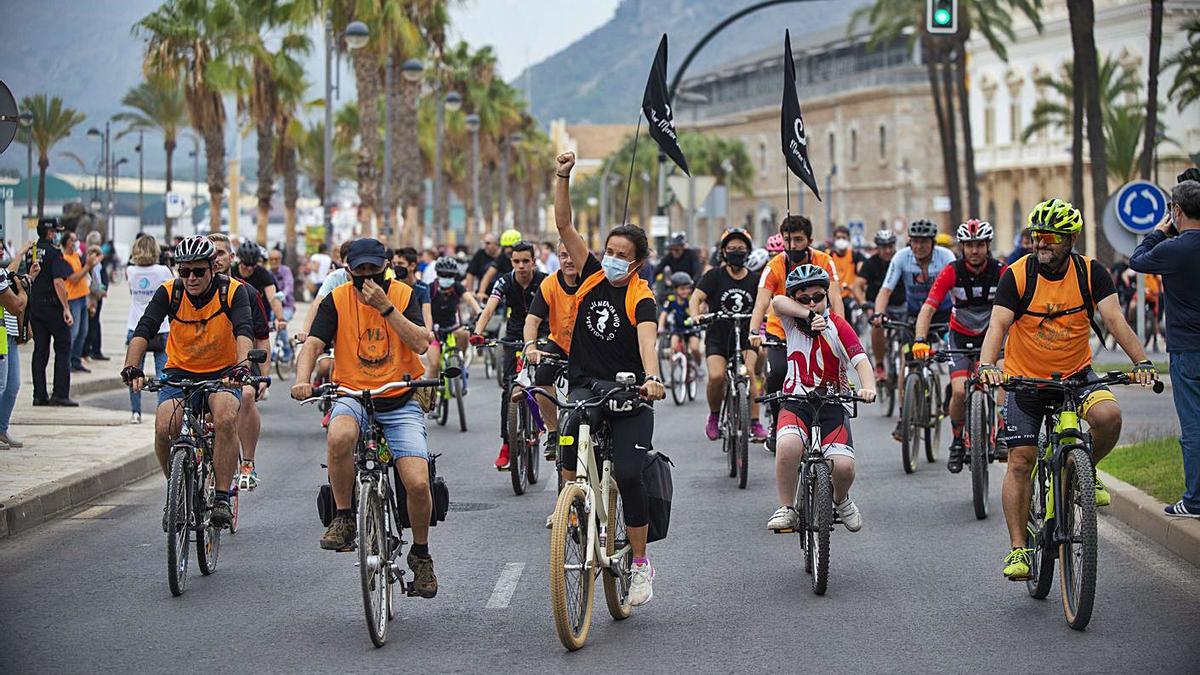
x: 673, y: 318
x: 820, y: 348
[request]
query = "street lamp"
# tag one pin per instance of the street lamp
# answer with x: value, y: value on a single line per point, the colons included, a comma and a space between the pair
x: 356, y: 35
x: 451, y: 101
x: 141, y: 180
x: 473, y: 124
x: 412, y: 69
x: 25, y: 119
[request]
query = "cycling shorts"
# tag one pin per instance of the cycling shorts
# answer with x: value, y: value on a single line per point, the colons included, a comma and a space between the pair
x: 797, y: 419
x: 718, y: 339
x: 961, y: 365
x: 169, y: 393
x: 1025, y: 413
x: 404, y: 428
x: 546, y: 372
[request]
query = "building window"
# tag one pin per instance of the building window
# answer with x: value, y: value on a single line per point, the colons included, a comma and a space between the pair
x: 989, y: 126
x: 1017, y: 216
x: 854, y: 145
x: 832, y: 155
x: 882, y: 142
x: 762, y: 156
x: 1015, y: 120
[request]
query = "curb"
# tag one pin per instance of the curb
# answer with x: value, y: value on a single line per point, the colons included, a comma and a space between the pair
x: 96, y: 386
x: 1145, y: 514
x: 36, y: 506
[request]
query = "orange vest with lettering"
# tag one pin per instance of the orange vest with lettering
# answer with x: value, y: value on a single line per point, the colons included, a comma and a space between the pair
x: 637, y: 291
x: 368, y: 353
x: 201, y: 339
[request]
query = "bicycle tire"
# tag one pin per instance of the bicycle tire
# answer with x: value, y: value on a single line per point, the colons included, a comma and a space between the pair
x: 728, y: 432
x: 933, y: 417
x: 1041, y: 567
x: 910, y: 430
x: 892, y: 368
x: 692, y: 380
x: 208, y: 536
x: 179, y: 504
x: 517, y: 452
x: 742, y: 441
x: 533, y: 458
x: 373, y: 561
x: 979, y: 439
x: 679, y: 379
x: 822, y: 509
x: 616, y: 588
x: 456, y: 388
x: 443, y: 404
x: 489, y: 364
x: 572, y: 621
x: 233, y: 505
x: 1077, y: 553
x: 803, y: 508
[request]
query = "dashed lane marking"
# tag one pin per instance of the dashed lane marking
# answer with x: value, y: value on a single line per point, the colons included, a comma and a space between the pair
x: 506, y: 585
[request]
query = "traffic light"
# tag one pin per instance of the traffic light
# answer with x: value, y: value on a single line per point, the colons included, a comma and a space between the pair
x: 941, y: 17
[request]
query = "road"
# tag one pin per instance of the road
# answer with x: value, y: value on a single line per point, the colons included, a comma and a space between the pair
x: 918, y: 589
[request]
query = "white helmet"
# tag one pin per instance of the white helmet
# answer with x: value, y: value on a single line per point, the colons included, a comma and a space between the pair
x: 975, y: 230
x: 758, y: 259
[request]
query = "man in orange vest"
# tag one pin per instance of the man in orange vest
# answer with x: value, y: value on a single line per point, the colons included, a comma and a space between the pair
x: 378, y: 333
x: 77, y: 295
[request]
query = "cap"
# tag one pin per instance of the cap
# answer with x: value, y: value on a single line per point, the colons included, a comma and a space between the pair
x: 366, y: 251
x: 46, y: 224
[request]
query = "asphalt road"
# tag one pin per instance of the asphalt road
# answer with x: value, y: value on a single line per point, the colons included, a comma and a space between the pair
x: 918, y: 589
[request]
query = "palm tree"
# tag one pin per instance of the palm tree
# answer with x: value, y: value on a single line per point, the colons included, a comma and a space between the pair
x: 1156, y: 23
x: 290, y: 87
x: 186, y: 41
x: 1116, y: 84
x: 51, y: 123
x: 1185, y: 88
x: 157, y: 104
x: 311, y: 158
x: 1082, y: 15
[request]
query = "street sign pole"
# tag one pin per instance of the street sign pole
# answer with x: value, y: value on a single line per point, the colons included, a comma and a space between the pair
x: 1132, y: 212
x: 1141, y: 308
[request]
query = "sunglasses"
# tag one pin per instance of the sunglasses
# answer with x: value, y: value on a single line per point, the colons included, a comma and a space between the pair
x: 814, y: 299
x: 185, y: 272
x: 1048, y: 237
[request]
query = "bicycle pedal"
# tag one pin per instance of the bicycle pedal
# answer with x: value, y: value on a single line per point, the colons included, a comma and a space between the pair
x: 786, y: 530
x: 347, y: 549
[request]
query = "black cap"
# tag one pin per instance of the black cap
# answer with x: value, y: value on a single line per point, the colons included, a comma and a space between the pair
x: 366, y: 251
x: 46, y: 224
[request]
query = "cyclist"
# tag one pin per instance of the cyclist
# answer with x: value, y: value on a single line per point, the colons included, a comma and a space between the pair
x: 728, y: 288
x: 971, y: 282
x: 552, y: 303
x: 502, y: 265
x: 251, y: 271
x: 448, y: 296
x: 1044, y: 304
x: 516, y: 290
x: 821, y: 347
x: 847, y: 261
x: 615, y: 332
x: 210, y: 336
x: 404, y: 268
x: 286, y: 282
x: 679, y: 258
x: 870, y: 280
x: 375, y: 342
x: 674, y: 315
x: 480, y: 262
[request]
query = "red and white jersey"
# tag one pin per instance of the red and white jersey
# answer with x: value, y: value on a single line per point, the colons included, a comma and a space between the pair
x: 822, y: 359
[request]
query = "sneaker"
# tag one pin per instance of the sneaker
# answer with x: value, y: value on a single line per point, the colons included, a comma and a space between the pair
x: 502, y: 458
x: 1102, y: 496
x: 898, y: 432
x: 80, y: 369
x: 641, y: 585
x: 955, y: 462
x: 1016, y: 564
x: 248, y: 477
x: 99, y: 357
x: 551, y: 446
x: 1181, y: 510
x: 221, y: 514
x: 135, y: 418
x: 784, y: 518
x: 849, y: 514
x: 712, y: 427
x: 340, y: 534
x: 758, y: 433
x: 424, y: 580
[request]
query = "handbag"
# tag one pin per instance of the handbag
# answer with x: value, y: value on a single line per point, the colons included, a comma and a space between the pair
x: 656, y: 476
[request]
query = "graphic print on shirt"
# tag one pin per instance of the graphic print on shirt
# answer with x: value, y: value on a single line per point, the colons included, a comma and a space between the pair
x: 816, y: 365
x: 373, y: 347
x: 736, y: 301
x: 603, y: 320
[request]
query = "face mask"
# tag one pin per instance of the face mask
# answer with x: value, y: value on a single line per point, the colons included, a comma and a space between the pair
x: 401, y: 272
x: 614, y: 268
x: 379, y: 279
x: 798, y: 256
x: 445, y: 282
x: 736, y: 258
x: 841, y: 245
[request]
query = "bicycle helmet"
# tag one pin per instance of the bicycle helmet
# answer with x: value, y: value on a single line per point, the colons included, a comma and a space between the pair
x: 758, y: 259
x: 775, y: 243
x: 193, y: 249
x: 805, y: 276
x: 249, y: 252
x: 943, y: 239
x: 446, y: 266
x: 922, y: 228
x: 1055, y: 215
x: 975, y: 230
x: 678, y: 239
x: 681, y: 279
x: 885, y: 237
x: 738, y: 233
x: 510, y: 238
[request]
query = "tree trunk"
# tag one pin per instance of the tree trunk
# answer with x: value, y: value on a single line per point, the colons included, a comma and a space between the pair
x: 367, y: 80
x: 291, y: 193
x: 214, y: 159
x: 1083, y: 18
x: 169, y: 223
x: 953, y: 186
x: 1156, y: 24
x: 410, y: 172
x: 396, y: 186
x: 43, y: 164
x: 949, y: 166
x: 1077, y: 104
x: 964, y: 108
x: 266, y: 175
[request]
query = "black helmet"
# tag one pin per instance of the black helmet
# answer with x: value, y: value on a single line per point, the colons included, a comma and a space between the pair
x: 681, y: 279
x: 250, y: 252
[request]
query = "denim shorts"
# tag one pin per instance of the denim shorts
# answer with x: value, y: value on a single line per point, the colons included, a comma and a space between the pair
x: 169, y: 393
x: 404, y: 428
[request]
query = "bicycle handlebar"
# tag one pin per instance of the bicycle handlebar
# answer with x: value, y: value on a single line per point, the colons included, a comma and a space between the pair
x: 594, y: 402
x: 821, y: 394
x: 717, y: 316
x: 219, y: 383
x: 1015, y: 382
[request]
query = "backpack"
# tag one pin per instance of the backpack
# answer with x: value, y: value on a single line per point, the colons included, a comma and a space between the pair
x: 177, y: 300
x: 1085, y: 290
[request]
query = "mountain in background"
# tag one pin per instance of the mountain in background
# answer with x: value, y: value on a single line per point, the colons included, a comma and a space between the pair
x: 600, y: 78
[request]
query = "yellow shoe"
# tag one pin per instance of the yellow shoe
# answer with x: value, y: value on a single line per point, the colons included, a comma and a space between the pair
x: 1016, y: 564
x: 1102, y: 496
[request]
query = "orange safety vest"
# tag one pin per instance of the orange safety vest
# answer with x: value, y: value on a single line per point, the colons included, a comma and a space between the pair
x: 559, y: 299
x: 774, y: 279
x: 1039, y: 346
x: 368, y: 353
x: 637, y: 291
x: 78, y: 288
x: 201, y: 339
x: 844, y: 262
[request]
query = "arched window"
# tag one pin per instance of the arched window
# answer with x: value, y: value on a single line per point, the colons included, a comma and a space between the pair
x: 1018, y: 216
x: 882, y: 142
x: 853, y: 145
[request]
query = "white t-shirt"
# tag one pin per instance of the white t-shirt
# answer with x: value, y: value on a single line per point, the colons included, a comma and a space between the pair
x: 143, y: 283
x: 319, y: 265
x: 332, y: 280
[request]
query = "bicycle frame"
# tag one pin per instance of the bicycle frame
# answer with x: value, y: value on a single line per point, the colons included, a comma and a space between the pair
x: 597, y: 531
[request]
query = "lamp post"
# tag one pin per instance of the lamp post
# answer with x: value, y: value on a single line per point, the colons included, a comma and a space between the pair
x: 195, y: 155
x: 473, y: 123
x: 102, y: 136
x: 385, y: 230
x: 356, y: 35
x: 112, y: 210
x: 141, y: 181
x: 26, y: 121
x: 452, y: 101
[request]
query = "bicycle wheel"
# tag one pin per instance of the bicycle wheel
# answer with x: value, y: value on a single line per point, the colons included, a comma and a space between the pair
x: 728, y: 418
x: 533, y: 457
x: 616, y: 587
x: 571, y: 579
x: 803, y: 509
x: 373, y: 561
x: 179, y: 517
x: 893, y: 368
x: 933, y: 417
x: 741, y: 443
x: 821, y: 525
x: 1077, y: 553
x: 910, y: 429
x: 693, y: 377
x: 489, y: 364
x: 208, y: 536
x: 679, y: 376
x: 1041, y: 568
x: 517, y: 452
x: 443, y: 403
x: 456, y: 388
x: 979, y: 441
x: 233, y: 504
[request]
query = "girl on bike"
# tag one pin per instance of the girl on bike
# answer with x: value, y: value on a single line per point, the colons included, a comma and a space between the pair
x: 446, y: 298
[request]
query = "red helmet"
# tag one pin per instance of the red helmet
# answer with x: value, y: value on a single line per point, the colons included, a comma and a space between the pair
x: 775, y: 243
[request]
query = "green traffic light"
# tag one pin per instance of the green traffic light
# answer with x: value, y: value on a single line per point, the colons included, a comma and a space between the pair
x: 942, y: 17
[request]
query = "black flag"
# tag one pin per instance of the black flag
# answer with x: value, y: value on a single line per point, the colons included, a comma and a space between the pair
x: 657, y: 109
x: 795, y: 140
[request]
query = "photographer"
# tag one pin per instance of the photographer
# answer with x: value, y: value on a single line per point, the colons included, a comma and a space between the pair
x: 1171, y: 250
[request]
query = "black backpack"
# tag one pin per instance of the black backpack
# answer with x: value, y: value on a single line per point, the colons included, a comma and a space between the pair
x: 222, y: 282
x: 1085, y: 290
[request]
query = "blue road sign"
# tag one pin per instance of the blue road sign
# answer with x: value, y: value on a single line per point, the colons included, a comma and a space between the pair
x: 1140, y: 206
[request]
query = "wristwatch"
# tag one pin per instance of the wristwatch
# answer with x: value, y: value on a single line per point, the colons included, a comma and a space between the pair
x: 389, y: 310
x: 653, y: 378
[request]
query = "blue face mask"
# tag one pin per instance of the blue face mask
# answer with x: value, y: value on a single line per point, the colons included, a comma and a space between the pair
x: 614, y: 268
x: 445, y: 282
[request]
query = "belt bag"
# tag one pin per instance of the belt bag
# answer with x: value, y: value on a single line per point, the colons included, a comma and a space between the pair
x: 439, y: 492
x: 157, y: 344
x: 656, y: 476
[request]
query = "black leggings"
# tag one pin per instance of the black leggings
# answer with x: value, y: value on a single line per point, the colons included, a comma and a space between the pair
x: 508, y: 365
x: 632, y: 438
x: 776, y: 371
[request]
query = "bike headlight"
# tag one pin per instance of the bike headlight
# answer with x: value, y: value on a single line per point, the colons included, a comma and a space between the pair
x: 743, y: 370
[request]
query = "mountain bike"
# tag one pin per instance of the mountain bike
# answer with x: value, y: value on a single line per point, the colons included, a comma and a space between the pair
x: 1062, y: 508
x: 683, y: 372
x: 284, y: 351
x: 980, y: 433
x: 814, y: 483
x: 452, y: 389
x: 770, y: 342
x: 898, y: 335
x: 735, y: 405
x: 525, y: 423
x: 381, y: 506
x: 191, y: 478
x: 587, y: 534
x: 923, y: 407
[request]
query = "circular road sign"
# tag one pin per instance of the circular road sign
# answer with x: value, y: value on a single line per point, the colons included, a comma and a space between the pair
x: 1140, y: 206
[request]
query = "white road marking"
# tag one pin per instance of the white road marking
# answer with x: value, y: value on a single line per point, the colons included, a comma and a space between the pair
x: 506, y: 585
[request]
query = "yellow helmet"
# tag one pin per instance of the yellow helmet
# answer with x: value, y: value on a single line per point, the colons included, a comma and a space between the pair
x: 943, y: 239
x: 510, y: 238
x: 1055, y: 215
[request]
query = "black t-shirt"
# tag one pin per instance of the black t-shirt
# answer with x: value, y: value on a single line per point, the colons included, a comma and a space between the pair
x: 258, y: 313
x: 684, y: 263
x: 479, y: 264
x: 604, y: 343
x: 726, y: 294
x: 260, y: 278
x: 1102, y: 284
x: 518, y: 300
x: 444, y: 302
x: 54, y: 266
x: 874, y: 269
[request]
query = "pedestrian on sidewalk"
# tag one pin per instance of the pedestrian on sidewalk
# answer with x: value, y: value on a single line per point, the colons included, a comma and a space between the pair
x: 78, y: 287
x: 96, y: 294
x: 14, y: 339
x: 50, y: 317
x: 11, y: 303
x: 1172, y: 250
x: 145, y: 275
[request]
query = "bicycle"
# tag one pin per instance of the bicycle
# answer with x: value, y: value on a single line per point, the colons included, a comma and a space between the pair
x: 814, y: 484
x: 191, y: 479
x: 684, y: 373
x: 735, y: 406
x: 1062, y: 508
x: 923, y: 408
x: 587, y: 535
x: 524, y: 425
x: 382, y: 508
x: 979, y: 433
x: 452, y: 389
x: 770, y: 342
x: 893, y: 365
x: 281, y: 344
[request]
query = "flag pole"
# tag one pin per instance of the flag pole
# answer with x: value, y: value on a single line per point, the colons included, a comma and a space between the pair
x: 787, y: 189
x: 629, y: 180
